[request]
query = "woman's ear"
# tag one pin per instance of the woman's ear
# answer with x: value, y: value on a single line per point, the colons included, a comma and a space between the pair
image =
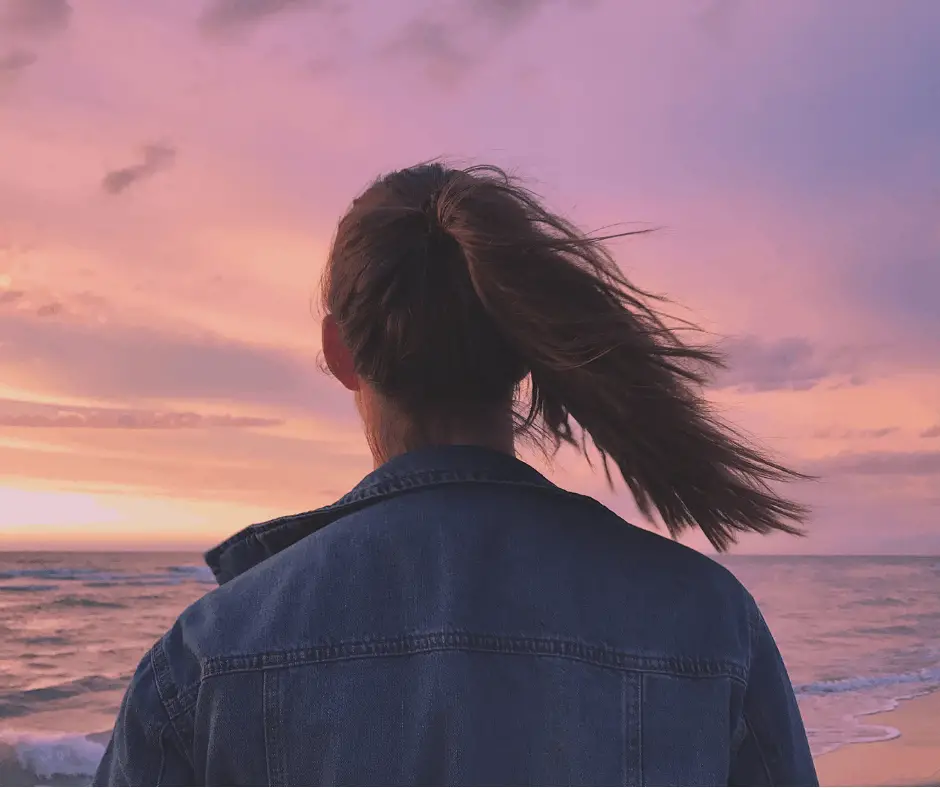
x: 337, y: 356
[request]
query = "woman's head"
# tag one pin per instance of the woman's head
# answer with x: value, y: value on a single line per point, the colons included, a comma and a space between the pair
x: 447, y: 289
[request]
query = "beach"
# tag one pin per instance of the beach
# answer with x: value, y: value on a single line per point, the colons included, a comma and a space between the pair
x: 911, y: 758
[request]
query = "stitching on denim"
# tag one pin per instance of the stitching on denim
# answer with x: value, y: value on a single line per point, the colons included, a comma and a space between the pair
x: 639, y: 726
x: 624, y: 742
x: 631, y: 728
x: 602, y: 656
x: 163, y: 733
x: 171, y: 697
x: 738, y: 734
x: 269, y: 709
x: 758, y: 749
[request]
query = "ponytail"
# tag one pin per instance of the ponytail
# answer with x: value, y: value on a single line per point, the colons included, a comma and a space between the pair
x: 527, y: 294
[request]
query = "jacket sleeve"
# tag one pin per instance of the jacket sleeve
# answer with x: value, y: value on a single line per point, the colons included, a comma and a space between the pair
x: 144, y: 748
x: 773, y: 749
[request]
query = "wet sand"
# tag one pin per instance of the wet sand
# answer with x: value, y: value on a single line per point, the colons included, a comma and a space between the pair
x: 911, y: 759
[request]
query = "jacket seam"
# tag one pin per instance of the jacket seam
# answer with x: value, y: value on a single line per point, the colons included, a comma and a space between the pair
x: 640, y: 705
x: 173, y: 704
x: 163, y: 733
x: 757, y: 748
x: 472, y: 642
x: 269, y: 714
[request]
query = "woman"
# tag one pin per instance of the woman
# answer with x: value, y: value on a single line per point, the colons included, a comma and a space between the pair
x: 457, y: 618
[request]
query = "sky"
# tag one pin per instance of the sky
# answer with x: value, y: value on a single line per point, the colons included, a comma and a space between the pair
x: 173, y: 170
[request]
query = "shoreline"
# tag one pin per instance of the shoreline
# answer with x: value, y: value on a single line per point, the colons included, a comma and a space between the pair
x: 911, y: 758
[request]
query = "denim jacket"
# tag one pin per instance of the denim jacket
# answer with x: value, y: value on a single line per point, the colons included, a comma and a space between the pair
x: 459, y: 619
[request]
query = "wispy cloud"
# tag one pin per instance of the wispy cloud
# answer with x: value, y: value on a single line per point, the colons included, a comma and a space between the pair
x: 909, y: 463
x: 29, y: 415
x: 717, y: 20
x: 17, y: 60
x: 11, y: 296
x: 116, y: 362
x: 38, y: 17
x: 451, y: 43
x: 880, y: 432
x: 155, y: 158
x: 45, y: 303
x: 222, y: 17
x: 437, y: 44
x: 931, y: 432
x: 506, y: 13
x: 792, y: 363
x: 51, y: 309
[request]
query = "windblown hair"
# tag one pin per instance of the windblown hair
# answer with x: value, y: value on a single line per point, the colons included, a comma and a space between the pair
x: 456, y: 289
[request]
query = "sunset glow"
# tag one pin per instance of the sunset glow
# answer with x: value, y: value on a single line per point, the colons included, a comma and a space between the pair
x: 172, y: 173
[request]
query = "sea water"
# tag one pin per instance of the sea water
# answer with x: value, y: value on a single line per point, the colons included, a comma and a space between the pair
x: 857, y: 635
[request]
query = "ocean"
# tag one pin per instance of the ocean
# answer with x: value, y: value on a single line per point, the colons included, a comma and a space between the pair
x: 857, y: 635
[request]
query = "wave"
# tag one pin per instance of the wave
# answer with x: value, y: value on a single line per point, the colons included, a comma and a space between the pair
x: 46, y: 640
x: 49, y: 573
x: 22, y: 702
x: 79, y: 601
x: 195, y: 572
x: 27, y: 589
x: 34, y: 759
x: 96, y: 578
x: 869, y: 735
x: 926, y: 676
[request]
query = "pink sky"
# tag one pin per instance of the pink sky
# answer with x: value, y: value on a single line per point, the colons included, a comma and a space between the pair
x: 172, y: 172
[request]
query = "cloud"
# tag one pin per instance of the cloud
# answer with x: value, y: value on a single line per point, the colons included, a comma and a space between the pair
x: 17, y: 60
x: 120, y: 362
x: 792, y: 363
x: 38, y: 17
x: 717, y: 20
x: 45, y: 302
x: 437, y: 43
x: 931, y: 432
x: 506, y: 14
x: 911, y: 463
x: 880, y: 432
x: 29, y: 416
x: 222, y: 17
x: 11, y: 296
x: 51, y: 309
x: 155, y: 158
x: 452, y: 43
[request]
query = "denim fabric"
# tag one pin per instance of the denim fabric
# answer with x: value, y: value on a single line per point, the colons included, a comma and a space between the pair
x: 458, y: 619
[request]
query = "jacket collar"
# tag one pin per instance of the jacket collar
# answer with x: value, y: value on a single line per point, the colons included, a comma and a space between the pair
x: 416, y: 470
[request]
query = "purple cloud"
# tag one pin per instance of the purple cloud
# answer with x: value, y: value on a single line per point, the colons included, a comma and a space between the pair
x: 155, y: 158
x: 32, y: 416
x: 717, y: 20
x: 39, y: 17
x: 452, y: 43
x: 880, y: 432
x: 792, y: 363
x: 221, y: 17
x: 17, y: 60
x: 111, y: 361
x: 11, y: 296
x: 506, y: 13
x: 910, y: 463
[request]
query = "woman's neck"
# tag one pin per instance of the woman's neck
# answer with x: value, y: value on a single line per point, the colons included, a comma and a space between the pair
x: 391, y: 433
